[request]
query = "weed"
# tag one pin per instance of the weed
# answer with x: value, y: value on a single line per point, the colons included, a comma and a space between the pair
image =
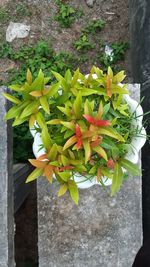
x: 94, y: 26
x: 22, y: 10
x: 5, y: 50
x: 4, y: 15
x: 119, y: 50
x: 66, y: 14
x: 83, y: 43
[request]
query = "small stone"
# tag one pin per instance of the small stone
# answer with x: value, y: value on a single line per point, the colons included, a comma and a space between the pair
x: 90, y: 3
x: 16, y: 30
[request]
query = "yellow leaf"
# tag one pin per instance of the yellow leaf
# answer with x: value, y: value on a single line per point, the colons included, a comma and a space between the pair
x: 36, y: 93
x: 62, y: 190
x: 29, y: 76
x: 32, y: 121
x: 54, y: 121
x: 12, y: 98
x: 44, y: 104
x: 100, y: 151
x: 34, y: 175
x: 87, y: 150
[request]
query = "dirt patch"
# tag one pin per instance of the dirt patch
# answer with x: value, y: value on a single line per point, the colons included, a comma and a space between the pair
x: 41, y: 17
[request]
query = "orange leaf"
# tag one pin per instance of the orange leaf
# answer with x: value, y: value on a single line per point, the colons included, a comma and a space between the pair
x: 37, y: 163
x: 48, y: 172
x: 45, y: 91
x: 87, y: 149
x: 72, y: 140
x: 99, y: 175
x: 108, y: 86
x: 44, y: 156
x: 96, y: 142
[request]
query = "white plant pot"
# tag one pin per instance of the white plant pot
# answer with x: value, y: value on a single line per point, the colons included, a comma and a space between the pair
x: 132, y: 155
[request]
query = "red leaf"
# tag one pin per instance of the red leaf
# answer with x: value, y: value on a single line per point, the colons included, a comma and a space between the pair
x: 78, y: 136
x: 110, y: 164
x: 79, y: 143
x: 97, y: 122
x: 102, y: 123
x: 89, y: 118
x: 65, y: 168
x: 78, y: 131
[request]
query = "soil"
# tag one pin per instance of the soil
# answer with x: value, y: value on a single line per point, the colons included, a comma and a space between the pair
x: 40, y: 16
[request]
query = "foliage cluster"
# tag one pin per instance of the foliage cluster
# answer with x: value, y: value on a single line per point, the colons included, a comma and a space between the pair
x: 85, y: 126
x: 66, y: 14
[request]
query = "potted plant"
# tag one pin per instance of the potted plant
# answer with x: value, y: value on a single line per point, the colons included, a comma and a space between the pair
x: 86, y: 128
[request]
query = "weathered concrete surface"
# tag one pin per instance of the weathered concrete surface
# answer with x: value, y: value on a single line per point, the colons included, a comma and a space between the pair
x: 6, y: 190
x: 140, y: 62
x: 100, y: 232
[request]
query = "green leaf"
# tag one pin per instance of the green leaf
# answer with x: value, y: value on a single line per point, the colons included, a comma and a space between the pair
x: 100, y: 151
x: 53, y: 89
x: 53, y: 152
x: 16, y: 87
x: 68, y: 76
x: 54, y: 121
x: 65, y: 176
x: 40, y: 120
x: 110, y: 72
x: 46, y: 138
x: 44, y: 104
x: 62, y: 190
x: 111, y: 132
x: 13, y: 112
x: 61, y: 79
x: 106, y: 109
x: 73, y: 189
x: 12, y: 98
x: 38, y: 83
x: 75, y: 77
x: 117, y: 179
x: 32, y: 107
x: 69, y: 125
x: 64, y: 160
x: 116, y: 89
x: 130, y: 167
x: 34, y: 175
x: 65, y: 110
x: 19, y: 121
x: 88, y: 92
x: 119, y: 77
x: 77, y: 106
